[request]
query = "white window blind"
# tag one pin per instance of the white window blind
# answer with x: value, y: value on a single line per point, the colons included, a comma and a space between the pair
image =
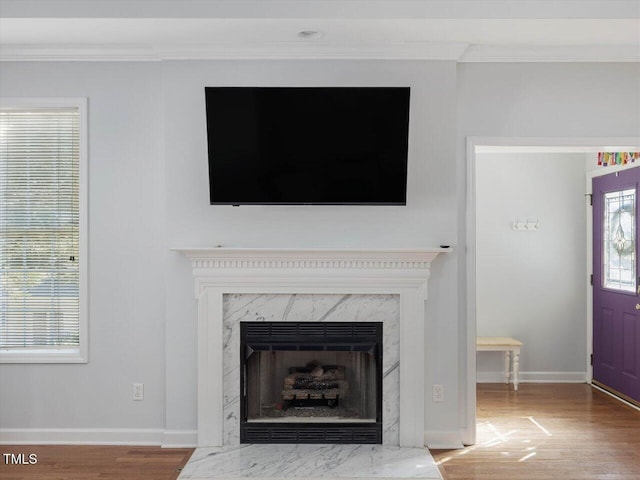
x: 39, y: 228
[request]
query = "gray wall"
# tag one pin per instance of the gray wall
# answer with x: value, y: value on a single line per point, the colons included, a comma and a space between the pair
x: 427, y: 220
x: 531, y: 284
x: 147, y: 124
x: 126, y: 253
x: 539, y: 100
x: 549, y: 99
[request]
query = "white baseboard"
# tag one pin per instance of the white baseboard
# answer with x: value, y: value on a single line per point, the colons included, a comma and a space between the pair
x: 180, y: 439
x: 534, y: 377
x: 98, y: 436
x: 442, y: 439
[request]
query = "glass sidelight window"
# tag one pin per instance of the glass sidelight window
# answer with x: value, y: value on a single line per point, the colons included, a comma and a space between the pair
x: 619, y: 259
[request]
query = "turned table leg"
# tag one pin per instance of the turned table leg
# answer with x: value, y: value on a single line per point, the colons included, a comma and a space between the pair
x: 516, y: 367
x: 507, y: 365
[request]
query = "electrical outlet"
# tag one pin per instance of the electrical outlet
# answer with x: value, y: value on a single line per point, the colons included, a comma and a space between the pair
x: 438, y: 393
x: 138, y: 391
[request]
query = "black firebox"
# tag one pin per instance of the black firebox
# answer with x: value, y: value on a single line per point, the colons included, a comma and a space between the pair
x: 311, y: 382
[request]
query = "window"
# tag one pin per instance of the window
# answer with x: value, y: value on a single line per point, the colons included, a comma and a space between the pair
x: 43, y: 261
x: 619, y: 243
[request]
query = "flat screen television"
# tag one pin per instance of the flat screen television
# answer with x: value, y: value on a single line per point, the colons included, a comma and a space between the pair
x: 307, y: 145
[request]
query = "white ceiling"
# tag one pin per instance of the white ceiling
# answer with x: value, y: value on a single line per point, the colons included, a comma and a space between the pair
x: 462, y: 30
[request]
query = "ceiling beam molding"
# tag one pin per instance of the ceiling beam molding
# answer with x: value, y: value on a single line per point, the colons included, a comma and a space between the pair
x: 351, y: 9
x: 279, y: 50
x: 428, y: 51
x: 554, y: 53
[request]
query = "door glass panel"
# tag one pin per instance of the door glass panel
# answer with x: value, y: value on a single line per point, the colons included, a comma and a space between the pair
x: 619, y: 240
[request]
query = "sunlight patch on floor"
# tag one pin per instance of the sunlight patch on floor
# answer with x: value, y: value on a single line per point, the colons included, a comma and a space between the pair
x: 526, y: 457
x: 533, y: 420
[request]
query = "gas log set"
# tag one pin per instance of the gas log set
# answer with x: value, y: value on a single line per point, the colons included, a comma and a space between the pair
x: 314, y: 385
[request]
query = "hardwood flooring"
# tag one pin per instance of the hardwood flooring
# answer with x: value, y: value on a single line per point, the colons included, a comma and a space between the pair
x: 541, y: 432
x: 548, y: 431
x: 71, y: 462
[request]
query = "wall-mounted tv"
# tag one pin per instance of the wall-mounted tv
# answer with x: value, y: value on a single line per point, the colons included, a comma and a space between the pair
x: 307, y: 145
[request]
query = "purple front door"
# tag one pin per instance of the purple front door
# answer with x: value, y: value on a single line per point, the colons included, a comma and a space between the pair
x: 616, y: 299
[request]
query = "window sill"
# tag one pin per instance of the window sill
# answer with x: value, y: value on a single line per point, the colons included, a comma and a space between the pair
x: 69, y: 355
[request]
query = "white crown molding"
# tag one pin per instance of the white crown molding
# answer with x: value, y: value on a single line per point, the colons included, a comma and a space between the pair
x: 578, y: 53
x: 320, y: 50
x: 460, y: 52
x: 63, y: 53
x: 272, y: 50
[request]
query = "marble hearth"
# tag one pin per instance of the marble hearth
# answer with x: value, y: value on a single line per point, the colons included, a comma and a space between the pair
x: 234, y: 285
x: 321, y: 462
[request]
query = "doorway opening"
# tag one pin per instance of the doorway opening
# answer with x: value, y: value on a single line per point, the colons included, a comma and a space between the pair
x: 503, y: 240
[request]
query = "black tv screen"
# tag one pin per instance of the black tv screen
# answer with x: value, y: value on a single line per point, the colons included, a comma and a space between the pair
x: 307, y: 145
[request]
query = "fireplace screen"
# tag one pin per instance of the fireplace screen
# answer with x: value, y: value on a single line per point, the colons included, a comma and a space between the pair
x: 311, y: 386
x: 303, y: 380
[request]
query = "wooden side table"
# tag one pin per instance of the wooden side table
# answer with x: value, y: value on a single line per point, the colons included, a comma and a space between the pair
x: 510, y: 346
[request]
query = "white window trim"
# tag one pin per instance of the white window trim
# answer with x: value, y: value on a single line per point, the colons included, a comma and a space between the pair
x: 64, y: 355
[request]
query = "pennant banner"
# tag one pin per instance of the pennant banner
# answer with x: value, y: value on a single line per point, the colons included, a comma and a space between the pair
x: 617, y: 158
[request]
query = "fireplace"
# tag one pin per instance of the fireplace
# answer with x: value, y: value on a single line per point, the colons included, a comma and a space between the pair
x: 233, y: 285
x: 308, y: 382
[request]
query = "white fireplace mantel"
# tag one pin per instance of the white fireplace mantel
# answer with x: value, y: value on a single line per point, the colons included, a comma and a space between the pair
x: 220, y: 271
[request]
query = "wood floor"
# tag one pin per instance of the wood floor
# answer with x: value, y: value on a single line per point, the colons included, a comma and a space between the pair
x: 70, y: 462
x: 550, y: 431
x: 541, y: 432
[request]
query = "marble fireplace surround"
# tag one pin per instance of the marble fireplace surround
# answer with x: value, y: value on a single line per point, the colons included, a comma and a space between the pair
x: 222, y: 273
